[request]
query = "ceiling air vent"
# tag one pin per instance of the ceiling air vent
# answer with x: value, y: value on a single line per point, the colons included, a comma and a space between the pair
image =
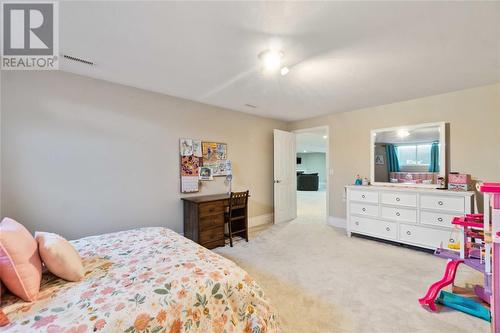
x: 80, y: 60
x: 251, y: 106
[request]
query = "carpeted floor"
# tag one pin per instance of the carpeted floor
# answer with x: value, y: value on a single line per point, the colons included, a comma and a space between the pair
x: 321, y: 281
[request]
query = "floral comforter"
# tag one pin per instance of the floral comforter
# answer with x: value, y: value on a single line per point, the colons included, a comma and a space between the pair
x: 146, y: 280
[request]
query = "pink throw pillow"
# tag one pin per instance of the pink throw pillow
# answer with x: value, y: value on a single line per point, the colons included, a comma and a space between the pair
x: 20, y: 265
x: 59, y: 256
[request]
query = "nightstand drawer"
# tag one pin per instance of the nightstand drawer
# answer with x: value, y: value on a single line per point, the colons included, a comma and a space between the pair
x: 213, y: 234
x: 211, y: 208
x: 212, y: 221
x: 214, y: 244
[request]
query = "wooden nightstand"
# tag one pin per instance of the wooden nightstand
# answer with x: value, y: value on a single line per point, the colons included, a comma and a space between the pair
x: 204, y: 219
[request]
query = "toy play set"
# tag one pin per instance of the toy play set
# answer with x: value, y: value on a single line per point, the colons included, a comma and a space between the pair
x: 479, y: 248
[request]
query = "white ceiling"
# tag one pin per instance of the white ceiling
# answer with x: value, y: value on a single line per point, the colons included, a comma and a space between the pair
x: 343, y: 55
x: 415, y: 135
x: 311, y: 141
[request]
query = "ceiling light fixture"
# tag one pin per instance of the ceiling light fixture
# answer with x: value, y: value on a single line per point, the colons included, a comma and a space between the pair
x: 325, y: 136
x: 403, y: 133
x: 271, y: 60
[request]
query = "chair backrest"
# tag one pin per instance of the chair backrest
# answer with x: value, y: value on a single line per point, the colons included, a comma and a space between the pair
x: 238, y: 200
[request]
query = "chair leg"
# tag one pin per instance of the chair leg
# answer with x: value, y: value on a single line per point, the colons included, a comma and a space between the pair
x: 246, y: 228
x: 230, y: 234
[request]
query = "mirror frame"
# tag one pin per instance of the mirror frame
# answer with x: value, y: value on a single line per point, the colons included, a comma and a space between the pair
x: 442, y: 156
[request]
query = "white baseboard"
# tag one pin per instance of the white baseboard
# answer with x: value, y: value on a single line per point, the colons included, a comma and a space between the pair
x: 260, y: 220
x: 337, y: 222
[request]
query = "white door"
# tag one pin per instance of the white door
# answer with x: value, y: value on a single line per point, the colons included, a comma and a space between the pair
x: 285, y: 177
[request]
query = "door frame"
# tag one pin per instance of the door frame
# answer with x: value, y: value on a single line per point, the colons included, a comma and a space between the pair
x: 327, y: 166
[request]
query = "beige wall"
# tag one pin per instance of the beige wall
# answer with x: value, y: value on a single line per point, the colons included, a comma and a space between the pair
x: 473, y: 115
x: 83, y: 156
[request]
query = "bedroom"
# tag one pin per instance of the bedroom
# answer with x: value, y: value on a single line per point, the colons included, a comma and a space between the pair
x: 92, y: 148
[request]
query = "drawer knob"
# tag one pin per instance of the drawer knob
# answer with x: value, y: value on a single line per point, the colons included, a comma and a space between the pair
x: 363, y: 209
x: 398, y: 199
x: 388, y: 229
x: 440, y: 203
x: 356, y: 223
x: 363, y: 196
x: 398, y: 213
x: 452, y: 240
x: 440, y: 219
x: 408, y: 232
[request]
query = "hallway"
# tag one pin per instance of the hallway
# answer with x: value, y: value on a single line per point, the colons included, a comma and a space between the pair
x: 311, y: 206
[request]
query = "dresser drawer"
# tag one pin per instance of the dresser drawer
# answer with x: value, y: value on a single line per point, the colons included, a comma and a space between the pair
x: 397, y: 198
x: 399, y: 214
x: 211, y: 208
x: 364, y: 209
x: 211, y: 235
x: 426, y: 237
x: 213, y: 245
x: 212, y: 221
x: 436, y: 218
x: 364, y: 196
x: 376, y: 228
x: 449, y: 203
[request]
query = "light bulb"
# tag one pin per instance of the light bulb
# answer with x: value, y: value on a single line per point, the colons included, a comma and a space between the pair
x: 284, y: 71
x: 402, y: 133
x: 271, y: 60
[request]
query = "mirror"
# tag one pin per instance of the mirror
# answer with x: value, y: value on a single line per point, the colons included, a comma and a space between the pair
x: 409, y: 155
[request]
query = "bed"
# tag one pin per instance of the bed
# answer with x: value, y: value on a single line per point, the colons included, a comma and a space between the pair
x: 146, y: 280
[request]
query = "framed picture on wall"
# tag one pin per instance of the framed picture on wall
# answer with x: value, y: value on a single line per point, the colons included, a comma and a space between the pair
x: 379, y: 159
x: 206, y: 173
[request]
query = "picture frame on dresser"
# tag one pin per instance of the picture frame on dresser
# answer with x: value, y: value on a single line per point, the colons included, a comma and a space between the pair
x: 414, y: 155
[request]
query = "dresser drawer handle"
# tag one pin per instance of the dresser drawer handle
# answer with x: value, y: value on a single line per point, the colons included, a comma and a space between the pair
x: 398, y: 214
x: 452, y: 240
x: 440, y: 219
x: 388, y: 229
x: 363, y: 196
x: 408, y: 232
x: 356, y: 223
x: 440, y: 203
x: 363, y: 209
x: 398, y: 199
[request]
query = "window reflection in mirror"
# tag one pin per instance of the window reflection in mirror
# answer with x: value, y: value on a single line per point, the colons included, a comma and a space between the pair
x: 409, y: 155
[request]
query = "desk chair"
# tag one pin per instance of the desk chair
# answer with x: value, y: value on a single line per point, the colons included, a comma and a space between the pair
x: 237, y: 216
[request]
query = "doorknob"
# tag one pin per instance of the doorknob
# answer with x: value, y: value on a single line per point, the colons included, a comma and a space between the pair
x: 277, y: 181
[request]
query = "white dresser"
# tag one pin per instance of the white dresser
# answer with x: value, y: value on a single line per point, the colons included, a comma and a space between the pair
x: 415, y: 216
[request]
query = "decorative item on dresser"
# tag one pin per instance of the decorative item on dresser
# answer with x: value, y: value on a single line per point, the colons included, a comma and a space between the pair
x: 416, y: 216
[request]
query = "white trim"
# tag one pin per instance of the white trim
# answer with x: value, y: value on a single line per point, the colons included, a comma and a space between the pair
x: 442, y: 155
x: 259, y: 220
x: 337, y: 222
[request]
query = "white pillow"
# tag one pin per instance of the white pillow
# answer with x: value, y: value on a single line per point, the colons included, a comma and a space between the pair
x: 59, y: 256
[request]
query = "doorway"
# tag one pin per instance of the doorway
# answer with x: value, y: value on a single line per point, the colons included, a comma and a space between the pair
x: 312, y: 171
